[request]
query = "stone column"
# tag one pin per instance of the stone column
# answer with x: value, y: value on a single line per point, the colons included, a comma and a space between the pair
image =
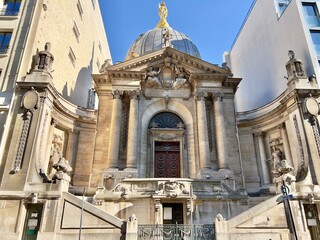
x: 158, y: 212
x: 203, y: 132
x: 220, y: 131
x: 72, y: 137
x: 133, y: 130
x: 263, y: 158
x: 115, y: 129
x: 286, y: 144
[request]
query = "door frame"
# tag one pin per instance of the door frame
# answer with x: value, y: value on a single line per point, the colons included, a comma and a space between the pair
x: 164, y: 204
x: 31, y: 219
x: 314, y: 226
x: 167, y: 135
x: 168, y: 153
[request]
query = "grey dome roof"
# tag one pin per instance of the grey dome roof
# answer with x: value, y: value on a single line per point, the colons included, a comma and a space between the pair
x: 153, y: 40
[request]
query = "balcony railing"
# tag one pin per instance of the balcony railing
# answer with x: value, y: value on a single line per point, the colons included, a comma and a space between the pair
x: 9, y: 12
x: 4, y: 49
x: 176, y: 232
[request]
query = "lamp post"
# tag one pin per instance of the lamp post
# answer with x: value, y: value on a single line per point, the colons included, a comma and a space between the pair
x: 80, y: 228
x: 287, y: 209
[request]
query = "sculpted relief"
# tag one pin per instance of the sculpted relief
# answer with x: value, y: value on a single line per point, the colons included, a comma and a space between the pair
x: 58, y: 166
x: 170, y: 77
x: 172, y: 189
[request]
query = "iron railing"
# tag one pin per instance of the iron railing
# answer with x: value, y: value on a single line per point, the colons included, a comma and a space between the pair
x: 4, y: 49
x: 176, y: 232
x: 8, y: 12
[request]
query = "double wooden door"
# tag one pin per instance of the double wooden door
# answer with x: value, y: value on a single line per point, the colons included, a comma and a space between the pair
x: 167, y: 160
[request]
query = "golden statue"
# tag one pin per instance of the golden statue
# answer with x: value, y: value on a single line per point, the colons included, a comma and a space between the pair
x: 163, y: 13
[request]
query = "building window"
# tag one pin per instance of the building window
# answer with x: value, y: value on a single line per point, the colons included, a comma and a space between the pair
x: 311, y: 14
x: 4, y: 41
x: 93, y: 3
x: 11, y: 8
x: 72, y: 57
x: 100, y: 47
x: 76, y: 30
x: 91, y: 98
x: 282, y: 5
x: 98, y: 64
x: 80, y: 9
x: 315, y: 35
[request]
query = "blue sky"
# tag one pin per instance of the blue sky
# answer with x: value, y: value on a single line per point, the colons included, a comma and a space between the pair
x: 211, y: 24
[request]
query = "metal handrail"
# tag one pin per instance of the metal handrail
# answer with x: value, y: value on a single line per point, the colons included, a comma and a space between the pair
x: 176, y: 232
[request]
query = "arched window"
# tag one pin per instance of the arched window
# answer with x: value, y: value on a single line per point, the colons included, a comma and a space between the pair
x: 166, y: 120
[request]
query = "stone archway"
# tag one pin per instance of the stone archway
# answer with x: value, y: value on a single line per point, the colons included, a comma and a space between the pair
x: 166, y: 136
x: 184, y: 113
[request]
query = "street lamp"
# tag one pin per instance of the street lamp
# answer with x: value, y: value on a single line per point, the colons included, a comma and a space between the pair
x: 287, y: 209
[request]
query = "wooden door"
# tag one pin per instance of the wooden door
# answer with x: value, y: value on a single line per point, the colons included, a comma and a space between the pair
x: 167, y: 160
x: 172, y: 213
x: 313, y: 222
x: 32, y: 222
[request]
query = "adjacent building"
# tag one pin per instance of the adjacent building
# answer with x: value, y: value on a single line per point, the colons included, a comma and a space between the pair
x: 269, y: 31
x: 77, y: 39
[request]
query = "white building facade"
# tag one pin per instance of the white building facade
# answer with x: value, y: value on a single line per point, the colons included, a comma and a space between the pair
x: 271, y: 29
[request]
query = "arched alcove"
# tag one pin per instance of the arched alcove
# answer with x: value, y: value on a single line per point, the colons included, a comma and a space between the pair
x: 152, y: 137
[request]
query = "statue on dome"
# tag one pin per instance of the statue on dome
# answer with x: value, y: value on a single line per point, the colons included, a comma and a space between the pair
x: 166, y: 37
x: 163, y: 13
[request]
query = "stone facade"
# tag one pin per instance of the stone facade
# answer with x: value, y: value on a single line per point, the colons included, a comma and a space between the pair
x: 164, y: 149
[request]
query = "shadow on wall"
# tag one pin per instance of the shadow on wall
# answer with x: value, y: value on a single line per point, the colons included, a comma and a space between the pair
x: 79, y: 94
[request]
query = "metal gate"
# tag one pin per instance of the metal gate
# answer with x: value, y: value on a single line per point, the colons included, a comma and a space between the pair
x: 176, y: 232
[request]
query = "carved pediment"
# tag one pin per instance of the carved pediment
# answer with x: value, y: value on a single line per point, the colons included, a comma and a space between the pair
x: 166, y: 70
x: 165, y: 56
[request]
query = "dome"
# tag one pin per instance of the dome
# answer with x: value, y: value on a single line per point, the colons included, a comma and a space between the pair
x: 160, y: 37
x: 155, y: 39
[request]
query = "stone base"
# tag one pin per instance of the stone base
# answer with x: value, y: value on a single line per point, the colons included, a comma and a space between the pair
x: 222, y: 174
x: 112, y: 176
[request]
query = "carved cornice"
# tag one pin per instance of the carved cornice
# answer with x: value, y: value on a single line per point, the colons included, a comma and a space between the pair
x: 58, y: 104
x: 139, y: 75
x: 271, y: 114
x: 219, y: 77
x: 175, y: 55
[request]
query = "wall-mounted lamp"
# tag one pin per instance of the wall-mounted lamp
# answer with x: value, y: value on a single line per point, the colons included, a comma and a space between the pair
x: 34, y: 198
x: 310, y: 198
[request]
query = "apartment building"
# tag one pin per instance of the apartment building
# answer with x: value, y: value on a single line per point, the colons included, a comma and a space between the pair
x: 271, y: 29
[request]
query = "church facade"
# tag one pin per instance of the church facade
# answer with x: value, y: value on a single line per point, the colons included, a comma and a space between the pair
x: 165, y: 156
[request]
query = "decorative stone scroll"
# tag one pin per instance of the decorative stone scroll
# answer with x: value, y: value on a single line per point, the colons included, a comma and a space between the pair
x: 30, y: 102
x: 302, y: 170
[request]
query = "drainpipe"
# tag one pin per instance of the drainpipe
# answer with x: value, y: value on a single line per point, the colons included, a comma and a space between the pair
x: 240, y: 158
